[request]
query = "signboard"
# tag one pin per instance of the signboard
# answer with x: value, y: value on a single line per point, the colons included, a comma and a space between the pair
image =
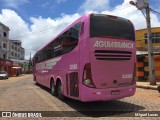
x: 6, y: 63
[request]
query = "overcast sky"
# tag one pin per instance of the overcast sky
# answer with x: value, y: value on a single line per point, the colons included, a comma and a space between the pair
x: 35, y: 22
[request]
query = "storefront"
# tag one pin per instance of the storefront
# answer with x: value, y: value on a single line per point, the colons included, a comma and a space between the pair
x: 6, y: 65
x: 16, y: 70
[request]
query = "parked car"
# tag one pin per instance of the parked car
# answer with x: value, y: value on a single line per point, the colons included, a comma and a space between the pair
x: 3, y: 75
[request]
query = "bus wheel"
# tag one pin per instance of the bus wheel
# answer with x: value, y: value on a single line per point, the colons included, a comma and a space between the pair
x: 36, y: 83
x: 53, y: 89
x: 35, y: 80
x: 60, y: 94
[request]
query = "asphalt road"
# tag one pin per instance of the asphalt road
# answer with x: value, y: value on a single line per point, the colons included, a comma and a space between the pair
x: 22, y: 94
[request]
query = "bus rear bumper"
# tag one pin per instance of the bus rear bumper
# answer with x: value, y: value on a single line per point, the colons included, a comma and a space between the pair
x: 92, y: 94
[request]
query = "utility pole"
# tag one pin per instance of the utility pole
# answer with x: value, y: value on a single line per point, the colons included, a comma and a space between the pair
x: 29, y: 64
x: 152, y: 76
x: 143, y: 4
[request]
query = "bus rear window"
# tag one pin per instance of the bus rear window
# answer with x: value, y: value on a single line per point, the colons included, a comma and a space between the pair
x: 110, y: 26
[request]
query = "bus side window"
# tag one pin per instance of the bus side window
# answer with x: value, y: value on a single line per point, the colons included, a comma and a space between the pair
x: 36, y: 59
x: 72, y: 37
x: 61, y: 45
x: 49, y: 54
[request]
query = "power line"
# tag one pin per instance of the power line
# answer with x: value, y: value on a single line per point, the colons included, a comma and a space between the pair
x: 120, y: 8
x: 154, y: 11
x: 46, y: 30
x: 143, y: 14
x: 39, y: 32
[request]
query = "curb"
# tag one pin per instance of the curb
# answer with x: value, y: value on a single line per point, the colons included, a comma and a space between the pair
x: 147, y: 87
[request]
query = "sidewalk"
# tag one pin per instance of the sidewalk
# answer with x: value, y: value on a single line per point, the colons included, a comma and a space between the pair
x: 147, y: 85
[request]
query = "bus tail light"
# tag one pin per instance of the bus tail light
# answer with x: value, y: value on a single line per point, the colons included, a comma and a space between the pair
x: 87, y: 76
x: 134, y: 75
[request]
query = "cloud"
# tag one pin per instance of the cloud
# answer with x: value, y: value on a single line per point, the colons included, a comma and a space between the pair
x: 129, y: 12
x: 124, y: 10
x: 94, y: 5
x: 40, y: 31
x: 46, y: 4
x: 50, y: 4
x: 48, y: 28
x: 14, y: 3
x: 60, y: 1
x: 17, y: 25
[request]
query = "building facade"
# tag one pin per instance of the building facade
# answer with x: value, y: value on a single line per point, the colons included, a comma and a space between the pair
x: 141, y: 39
x: 16, y: 51
x: 5, y: 63
x: 4, y: 41
x: 142, y: 53
x: 9, y: 50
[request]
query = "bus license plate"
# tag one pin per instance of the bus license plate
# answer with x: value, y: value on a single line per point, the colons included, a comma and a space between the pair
x: 116, y: 92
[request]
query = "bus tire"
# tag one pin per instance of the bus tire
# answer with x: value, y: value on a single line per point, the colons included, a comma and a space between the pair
x: 53, y: 88
x: 36, y: 83
x: 34, y: 78
x: 60, y: 94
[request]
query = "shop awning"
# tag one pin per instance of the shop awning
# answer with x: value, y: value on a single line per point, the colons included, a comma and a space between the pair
x: 16, y: 67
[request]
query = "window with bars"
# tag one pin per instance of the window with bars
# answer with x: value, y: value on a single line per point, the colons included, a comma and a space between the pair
x: 155, y: 37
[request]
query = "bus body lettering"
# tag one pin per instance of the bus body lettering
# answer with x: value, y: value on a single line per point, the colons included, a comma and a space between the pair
x: 108, y: 44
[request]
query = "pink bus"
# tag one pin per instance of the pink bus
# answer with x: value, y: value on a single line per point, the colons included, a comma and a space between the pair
x: 91, y: 60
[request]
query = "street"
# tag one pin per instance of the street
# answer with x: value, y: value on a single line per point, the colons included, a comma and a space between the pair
x: 22, y: 94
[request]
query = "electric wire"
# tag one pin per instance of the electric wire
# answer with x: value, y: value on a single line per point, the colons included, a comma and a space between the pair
x: 63, y: 25
x: 143, y: 14
x: 39, y: 32
x: 154, y: 11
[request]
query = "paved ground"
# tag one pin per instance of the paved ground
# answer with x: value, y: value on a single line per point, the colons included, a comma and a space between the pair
x: 21, y: 94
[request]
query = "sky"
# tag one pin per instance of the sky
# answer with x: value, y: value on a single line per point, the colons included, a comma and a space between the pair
x: 35, y: 22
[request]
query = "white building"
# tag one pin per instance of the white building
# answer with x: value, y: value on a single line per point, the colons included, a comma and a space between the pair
x: 11, y: 53
x: 16, y: 51
x: 10, y: 49
x: 4, y: 41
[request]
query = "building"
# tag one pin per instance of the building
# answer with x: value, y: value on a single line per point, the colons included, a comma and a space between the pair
x: 142, y: 53
x: 5, y: 64
x: 141, y: 39
x: 16, y: 51
x: 16, y: 54
x: 9, y: 50
x: 4, y: 41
